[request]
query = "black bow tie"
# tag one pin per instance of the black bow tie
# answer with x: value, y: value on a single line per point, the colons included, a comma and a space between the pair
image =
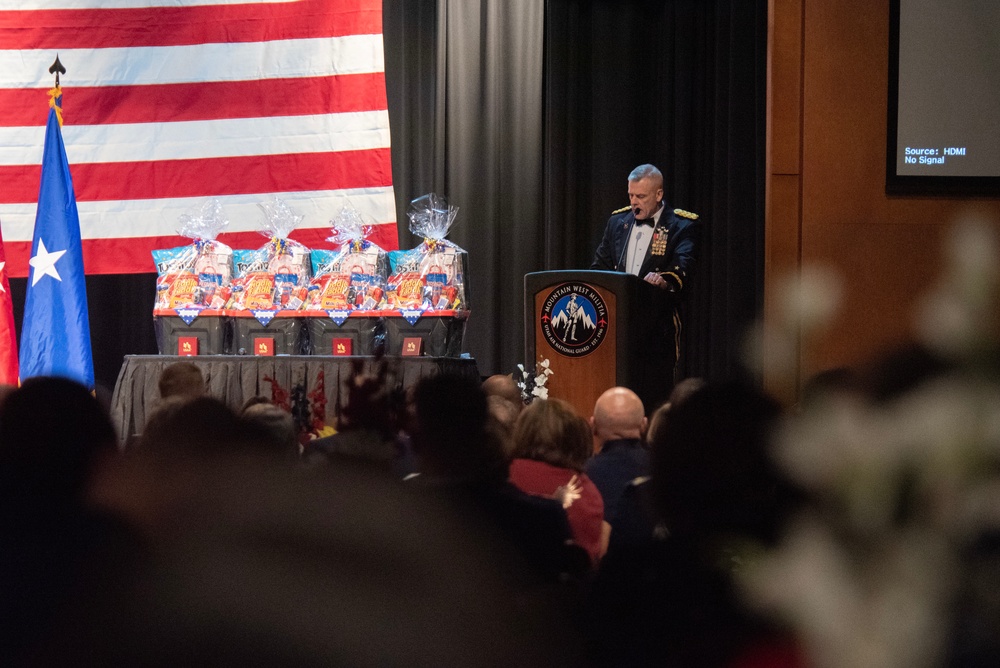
x: 647, y: 221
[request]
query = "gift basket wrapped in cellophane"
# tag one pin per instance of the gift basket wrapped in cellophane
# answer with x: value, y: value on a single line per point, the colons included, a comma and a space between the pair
x: 276, y: 275
x: 353, y: 277
x: 198, y: 275
x: 193, y: 286
x: 347, y: 291
x: 270, y: 286
x: 427, y: 294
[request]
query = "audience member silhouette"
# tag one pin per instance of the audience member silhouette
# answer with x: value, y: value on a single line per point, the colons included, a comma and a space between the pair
x: 369, y: 424
x: 503, y: 398
x: 459, y: 455
x: 256, y: 563
x: 181, y: 379
x: 206, y: 427
x: 53, y: 435
x: 620, y: 456
x: 673, y: 603
x: 637, y: 523
x: 503, y: 386
x: 552, y: 445
x: 277, y: 425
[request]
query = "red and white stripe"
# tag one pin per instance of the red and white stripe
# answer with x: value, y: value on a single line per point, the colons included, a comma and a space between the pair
x: 173, y: 102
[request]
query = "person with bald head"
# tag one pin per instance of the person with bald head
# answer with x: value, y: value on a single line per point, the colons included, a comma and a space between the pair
x: 619, y: 425
x: 504, y: 386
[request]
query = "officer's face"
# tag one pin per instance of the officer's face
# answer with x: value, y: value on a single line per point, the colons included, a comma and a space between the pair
x: 644, y: 197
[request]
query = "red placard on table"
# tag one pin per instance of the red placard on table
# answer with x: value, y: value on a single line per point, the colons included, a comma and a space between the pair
x: 413, y: 346
x: 342, y: 346
x: 187, y: 345
x: 263, y: 346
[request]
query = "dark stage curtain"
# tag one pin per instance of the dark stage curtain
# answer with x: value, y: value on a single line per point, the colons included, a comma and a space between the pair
x: 681, y: 85
x: 481, y: 144
x: 529, y: 115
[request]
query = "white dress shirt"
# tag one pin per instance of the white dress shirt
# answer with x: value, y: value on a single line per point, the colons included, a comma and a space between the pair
x: 638, y: 243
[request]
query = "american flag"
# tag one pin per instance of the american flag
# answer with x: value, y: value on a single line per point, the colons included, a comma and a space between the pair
x: 170, y: 102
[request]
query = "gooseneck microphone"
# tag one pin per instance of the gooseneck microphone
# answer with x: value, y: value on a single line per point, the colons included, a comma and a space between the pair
x: 628, y: 235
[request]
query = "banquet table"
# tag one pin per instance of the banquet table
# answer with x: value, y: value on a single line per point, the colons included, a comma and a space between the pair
x: 303, y: 384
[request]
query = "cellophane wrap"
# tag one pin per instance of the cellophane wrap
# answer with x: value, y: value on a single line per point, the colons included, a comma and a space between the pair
x: 199, y: 275
x: 353, y: 277
x: 430, y: 277
x: 276, y: 275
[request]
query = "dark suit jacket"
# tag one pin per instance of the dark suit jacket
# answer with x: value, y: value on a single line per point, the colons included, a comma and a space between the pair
x: 614, y: 468
x: 674, y: 264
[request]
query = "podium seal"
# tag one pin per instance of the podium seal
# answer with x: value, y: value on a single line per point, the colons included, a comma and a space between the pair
x: 574, y: 319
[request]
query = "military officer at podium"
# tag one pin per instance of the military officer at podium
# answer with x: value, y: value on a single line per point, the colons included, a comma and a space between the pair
x: 646, y: 240
x: 657, y: 245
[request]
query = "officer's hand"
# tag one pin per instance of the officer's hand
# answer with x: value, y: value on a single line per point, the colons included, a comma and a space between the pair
x: 655, y: 279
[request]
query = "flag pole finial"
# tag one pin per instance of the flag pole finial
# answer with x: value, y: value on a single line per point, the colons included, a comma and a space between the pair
x: 57, y: 68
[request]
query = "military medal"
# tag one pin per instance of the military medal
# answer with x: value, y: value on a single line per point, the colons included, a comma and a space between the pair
x: 659, y: 244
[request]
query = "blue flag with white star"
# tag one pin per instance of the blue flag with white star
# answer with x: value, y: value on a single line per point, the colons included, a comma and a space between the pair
x: 55, y: 336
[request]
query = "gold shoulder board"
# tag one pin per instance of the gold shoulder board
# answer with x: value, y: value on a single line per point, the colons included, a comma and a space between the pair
x: 621, y: 210
x: 686, y: 214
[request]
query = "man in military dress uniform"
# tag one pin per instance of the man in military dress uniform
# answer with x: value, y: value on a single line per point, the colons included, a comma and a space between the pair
x: 645, y: 239
x: 649, y: 241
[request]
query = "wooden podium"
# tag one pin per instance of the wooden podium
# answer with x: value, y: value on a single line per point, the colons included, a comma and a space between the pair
x: 599, y: 329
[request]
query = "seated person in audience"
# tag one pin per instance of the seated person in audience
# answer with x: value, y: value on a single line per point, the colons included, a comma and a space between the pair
x: 206, y: 428
x: 460, y: 458
x: 277, y: 423
x: 181, y: 379
x: 674, y: 602
x: 619, y: 425
x: 53, y: 436
x: 551, y: 447
x: 503, y: 386
x: 503, y: 416
x: 368, y: 427
x: 504, y: 399
x: 178, y: 383
x: 635, y: 520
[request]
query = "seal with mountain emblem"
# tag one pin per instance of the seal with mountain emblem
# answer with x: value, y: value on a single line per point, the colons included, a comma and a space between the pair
x: 574, y: 319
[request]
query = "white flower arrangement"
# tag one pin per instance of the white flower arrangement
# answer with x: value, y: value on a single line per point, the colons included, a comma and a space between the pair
x: 533, y: 383
x: 868, y: 576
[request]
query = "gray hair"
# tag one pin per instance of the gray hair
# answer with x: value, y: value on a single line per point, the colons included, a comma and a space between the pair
x: 646, y: 171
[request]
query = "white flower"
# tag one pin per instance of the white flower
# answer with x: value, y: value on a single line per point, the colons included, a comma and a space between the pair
x: 883, y: 611
x: 960, y: 314
x: 533, y: 386
x: 898, y: 487
x: 811, y: 301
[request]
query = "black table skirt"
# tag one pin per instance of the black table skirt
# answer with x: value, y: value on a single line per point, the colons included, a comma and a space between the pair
x: 307, y: 385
